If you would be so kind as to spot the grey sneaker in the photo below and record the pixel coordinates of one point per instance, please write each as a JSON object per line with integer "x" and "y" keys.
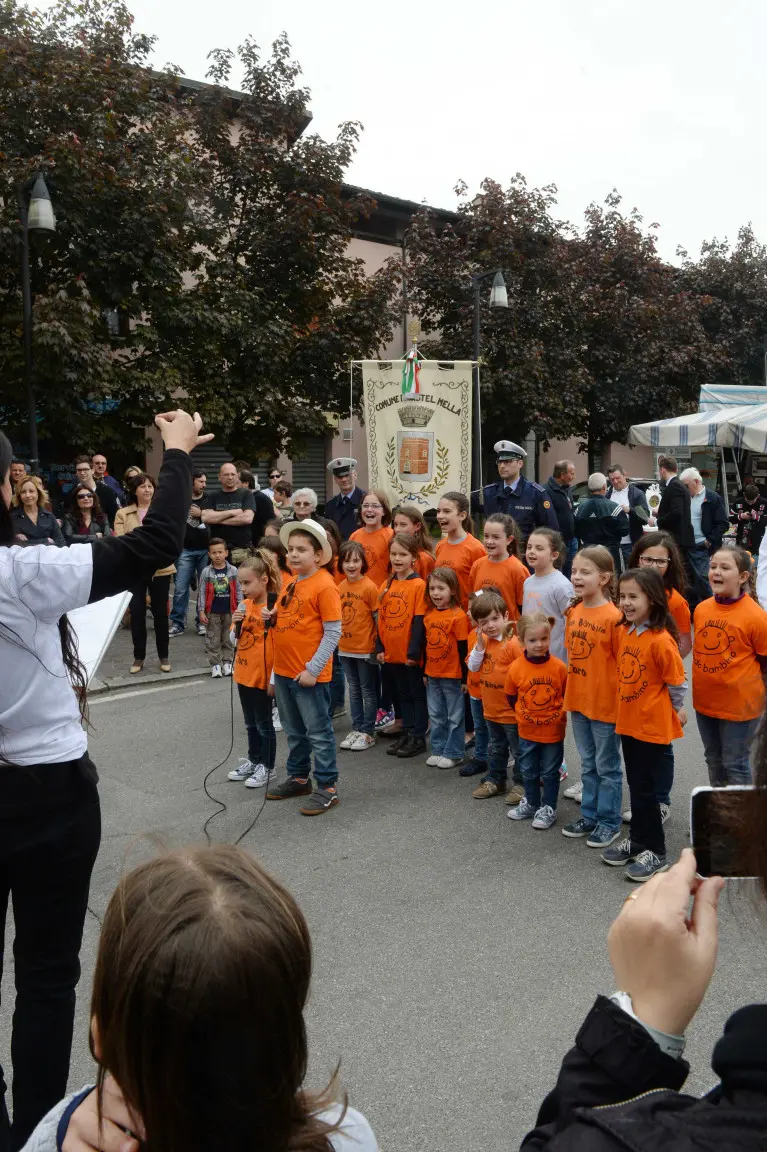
{"x": 260, "y": 777}
{"x": 523, "y": 811}
{"x": 544, "y": 817}
{"x": 578, "y": 828}
{"x": 320, "y": 801}
{"x": 288, "y": 788}
{"x": 665, "y": 812}
{"x": 619, "y": 854}
{"x": 243, "y": 770}
{"x": 446, "y": 762}
{"x": 645, "y": 866}
{"x": 603, "y": 837}
{"x": 175, "y": 630}
{"x": 574, "y": 792}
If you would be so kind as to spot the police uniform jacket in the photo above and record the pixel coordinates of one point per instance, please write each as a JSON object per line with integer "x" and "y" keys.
{"x": 530, "y": 504}
{"x": 344, "y": 511}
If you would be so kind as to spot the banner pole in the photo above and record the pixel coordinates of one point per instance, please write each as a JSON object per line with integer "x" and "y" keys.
{"x": 351, "y": 407}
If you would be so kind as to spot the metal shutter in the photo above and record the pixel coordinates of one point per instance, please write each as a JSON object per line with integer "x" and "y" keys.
{"x": 309, "y": 468}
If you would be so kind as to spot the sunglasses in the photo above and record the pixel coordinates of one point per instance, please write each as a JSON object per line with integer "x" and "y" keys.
{"x": 275, "y": 475}
{"x": 290, "y": 592}
{"x": 84, "y": 496}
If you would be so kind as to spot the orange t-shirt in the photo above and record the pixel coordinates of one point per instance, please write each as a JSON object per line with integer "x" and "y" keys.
{"x": 540, "y": 692}
{"x": 359, "y": 600}
{"x": 338, "y": 573}
{"x": 424, "y": 565}
{"x": 499, "y": 654}
{"x": 443, "y": 631}
{"x": 397, "y": 608}
{"x": 726, "y": 675}
{"x": 298, "y": 628}
{"x": 472, "y": 678}
{"x": 592, "y": 639}
{"x": 508, "y": 577}
{"x": 254, "y": 657}
{"x": 680, "y": 610}
{"x": 647, "y": 664}
{"x": 460, "y": 558}
{"x": 287, "y": 578}
{"x": 376, "y": 545}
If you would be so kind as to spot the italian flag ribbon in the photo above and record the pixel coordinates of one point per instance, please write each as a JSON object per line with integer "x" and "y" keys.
{"x": 411, "y": 384}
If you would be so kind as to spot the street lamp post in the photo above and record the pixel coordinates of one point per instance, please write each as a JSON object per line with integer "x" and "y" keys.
{"x": 498, "y": 299}
{"x": 36, "y": 216}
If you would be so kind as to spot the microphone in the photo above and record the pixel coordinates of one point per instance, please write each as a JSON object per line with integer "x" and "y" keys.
{"x": 238, "y": 625}
{"x": 271, "y": 600}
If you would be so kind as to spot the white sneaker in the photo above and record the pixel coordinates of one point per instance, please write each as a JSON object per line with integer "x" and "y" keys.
{"x": 544, "y": 817}
{"x": 363, "y": 742}
{"x": 259, "y": 778}
{"x": 626, "y": 817}
{"x": 446, "y": 762}
{"x": 433, "y": 761}
{"x": 276, "y": 720}
{"x": 574, "y": 792}
{"x": 242, "y": 771}
{"x": 348, "y": 740}
{"x": 665, "y": 812}
{"x": 227, "y": 668}
{"x": 216, "y": 671}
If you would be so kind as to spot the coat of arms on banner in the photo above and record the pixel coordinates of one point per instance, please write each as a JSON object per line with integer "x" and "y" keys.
{"x": 418, "y": 418}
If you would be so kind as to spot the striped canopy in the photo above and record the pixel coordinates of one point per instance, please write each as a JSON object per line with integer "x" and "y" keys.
{"x": 717, "y": 427}
{"x": 750, "y": 431}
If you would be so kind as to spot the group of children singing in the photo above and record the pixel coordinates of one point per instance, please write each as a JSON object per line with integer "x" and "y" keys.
{"x": 468, "y": 639}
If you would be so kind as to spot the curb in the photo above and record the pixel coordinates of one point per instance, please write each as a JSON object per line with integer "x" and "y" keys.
{"x": 116, "y": 683}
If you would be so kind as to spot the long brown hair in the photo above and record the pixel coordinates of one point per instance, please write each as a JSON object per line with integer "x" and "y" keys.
{"x": 274, "y": 545}
{"x": 201, "y": 978}
{"x": 446, "y": 576}
{"x": 511, "y": 528}
{"x": 410, "y": 544}
{"x": 651, "y": 583}
{"x": 420, "y": 527}
{"x": 674, "y": 579}
{"x": 462, "y": 504}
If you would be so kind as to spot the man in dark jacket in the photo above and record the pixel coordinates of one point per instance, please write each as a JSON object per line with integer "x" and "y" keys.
{"x": 525, "y": 500}
{"x": 343, "y": 509}
{"x": 558, "y": 487}
{"x": 709, "y": 523}
{"x": 599, "y": 521}
{"x": 674, "y": 508}
{"x": 632, "y": 499}
{"x": 749, "y": 512}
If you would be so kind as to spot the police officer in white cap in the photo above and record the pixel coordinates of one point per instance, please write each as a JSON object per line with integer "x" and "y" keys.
{"x": 343, "y": 509}
{"x": 526, "y": 501}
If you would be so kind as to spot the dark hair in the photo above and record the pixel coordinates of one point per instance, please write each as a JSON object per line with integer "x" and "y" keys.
{"x": 352, "y": 548}
{"x": 216, "y": 540}
{"x": 247, "y": 477}
{"x": 616, "y": 468}
{"x": 97, "y": 512}
{"x": 674, "y": 577}
{"x": 84, "y": 458}
{"x": 486, "y": 601}
{"x": 285, "y": 487}
{"x": 198, "y": 472}
{"x": 668, "y": 462}
{"x": 751, "y": 491}
{"x": 416, "y": 518}
{"x": 410, "y": 544}
{"x": 202, "y": 976}
{"x": 510, "y": 527}
{"x": 652, "y": 585}
{"x": 462, "y": 504}
{"x": 274, "y": 544}
{"x": 239, "y": 465}
{"x": 556, "y": 543}
{"x": 136, "y": 481}
{"x": 333, "y": 532}
{"x": 383, "y": 500}
{"x": 316, "y": 545}
{"x": 743, "y": 562}
{"x": 446, "y": 576}
{"x": 561, "y": 468}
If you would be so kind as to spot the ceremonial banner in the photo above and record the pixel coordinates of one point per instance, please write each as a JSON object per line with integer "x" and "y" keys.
{"x": 418, "y": 426}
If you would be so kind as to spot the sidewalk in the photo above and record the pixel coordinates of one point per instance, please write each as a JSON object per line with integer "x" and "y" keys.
{"x": 187, "y": 659}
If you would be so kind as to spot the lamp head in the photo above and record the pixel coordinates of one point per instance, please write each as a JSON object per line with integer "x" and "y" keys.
{"x": 40, "y": 217}
{"x": 499, "y": 297}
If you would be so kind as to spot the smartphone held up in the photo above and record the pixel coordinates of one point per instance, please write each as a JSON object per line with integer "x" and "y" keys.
{"x": 719, "y": 818}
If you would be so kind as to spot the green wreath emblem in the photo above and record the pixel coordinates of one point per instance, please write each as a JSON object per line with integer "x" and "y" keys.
{"x": 440, "y": 475}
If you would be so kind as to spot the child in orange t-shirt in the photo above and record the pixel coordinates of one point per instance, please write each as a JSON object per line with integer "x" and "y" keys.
{"x": 259, "y": 579}
{"x": 307, "y": 628}
{"x": 478, "y": 763}
{"x": 592, "y": 636}
{"x": 401, "y": 608}
{"x": 458, "y": 549}
{"x": 375, "y": 534}
{"x": 359, "y": 613}
{"x": 408, "y": 520}
{"x": 501, "y": 568}
{"x": 659, "y": 550}
{"x": 727, "y": 664}
{"x": 495, "y": 649}
{"x": 535, "y": 686}
{"x": 447, "y": 628}
{"x": 651, "y": 688}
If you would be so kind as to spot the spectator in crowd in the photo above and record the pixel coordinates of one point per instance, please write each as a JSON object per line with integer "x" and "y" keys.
{"x": 304, "y": 503}
{"x": 559, "y": 488}
{"x": 107, "y": 497}
{"x": 528, "y": 503}
{"x": 749, "y": 479}
{"x": 128, "y": 475}
{"x": 344, "y": 508}
{"x": 600, "y": 521}
{"x": 674, "y": 509}
{"x": 283, "y": 500}
{"x": 275, "y": 476}
{"x": 101, "y": 474}
{"x": 158, "y": 588}
{"x": 229, "y": 513}
{"x": 264, "y": 510}
{"x": 31, "y": 519}
{"x": 633, "y": 501}
{"x": 709, "y": 524}
{"x": 86, "y": 520}
{"x": 17, "y": 471}
{"x": 749, "y": 513}
{"x": 193, "y": 558}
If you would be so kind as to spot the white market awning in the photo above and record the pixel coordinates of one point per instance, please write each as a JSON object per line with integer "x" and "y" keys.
{"x": 711, "y": 428}
{"x": 750, "y": 431}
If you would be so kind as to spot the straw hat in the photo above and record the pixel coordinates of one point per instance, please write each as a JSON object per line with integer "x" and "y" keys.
{"x": 312, "y": 528}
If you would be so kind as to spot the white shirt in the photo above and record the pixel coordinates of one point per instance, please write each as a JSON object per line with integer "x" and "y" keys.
{"x": 39, "y": 717}
{"x": 696, "y": 515}
{"x": 622, "y": 498}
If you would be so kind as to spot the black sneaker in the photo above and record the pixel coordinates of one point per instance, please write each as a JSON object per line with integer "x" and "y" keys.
{"x": 413, "y": 746}
{"x": 320, "y": 801}
{"x": 289, "y": 788}
{"x": 395, "y": 745}
{"x": 619, "y": 854}
{"x": 473, "y": 768}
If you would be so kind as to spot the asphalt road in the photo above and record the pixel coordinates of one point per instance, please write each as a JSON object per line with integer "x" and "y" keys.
{"x": 456, "y": 952}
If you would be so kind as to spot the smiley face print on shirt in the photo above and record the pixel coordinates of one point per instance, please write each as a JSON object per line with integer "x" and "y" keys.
{"x": 714, "y": 647}
{"x": 631, "y": 682}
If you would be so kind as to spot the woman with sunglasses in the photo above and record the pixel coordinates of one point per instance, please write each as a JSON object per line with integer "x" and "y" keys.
{"x": 86, "y": 520}
{"x": 274, "y": 478}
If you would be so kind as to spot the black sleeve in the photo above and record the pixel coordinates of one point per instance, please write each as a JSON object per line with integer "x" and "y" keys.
{"x": 614, "y": 1059}
{"x": 120, "y": 562}
{"x": 264, "y": 513}
{"x": 108, "y": 500}
{"x": 463, "y": 652}
{"x": 56, "y": 534}
{"x": 417, "y": 640}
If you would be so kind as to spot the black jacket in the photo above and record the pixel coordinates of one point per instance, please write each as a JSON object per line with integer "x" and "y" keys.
{"x": 749, "y": 532}
{"x": 637, "y": 499}
{"x": 674, "y": 513}
{"x": 71, "y": 526}
{"x": 618, "y": 1092}
{"x": 714, "y": 521}
{"x": 45, "y": 529}
{"x": 562, "y": 503}
{"x": 344, "y": 511}
{"x": 599, "y": 521}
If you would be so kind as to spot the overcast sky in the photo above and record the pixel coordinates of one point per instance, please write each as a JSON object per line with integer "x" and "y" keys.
{"x": 662, "y": 99}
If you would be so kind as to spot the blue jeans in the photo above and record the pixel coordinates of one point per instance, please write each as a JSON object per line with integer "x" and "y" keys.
{"x": 480, "y": 729}
{"x": 697, "y": 561}
{"x": 502, "y": 739}
{"x": 305, "y": 718}
{"x": 257, "y": 713}
{"x": 726, "y": 747}
{"x": 572, "y": 548}
{"x": 540, "y": 764}
{"x": 362, "y": 678}
{"x": 601, "y": 772}
{"x": 189, "y": 564}
{"x": 444, "y": 699}
{"x": 337, "y": 684}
